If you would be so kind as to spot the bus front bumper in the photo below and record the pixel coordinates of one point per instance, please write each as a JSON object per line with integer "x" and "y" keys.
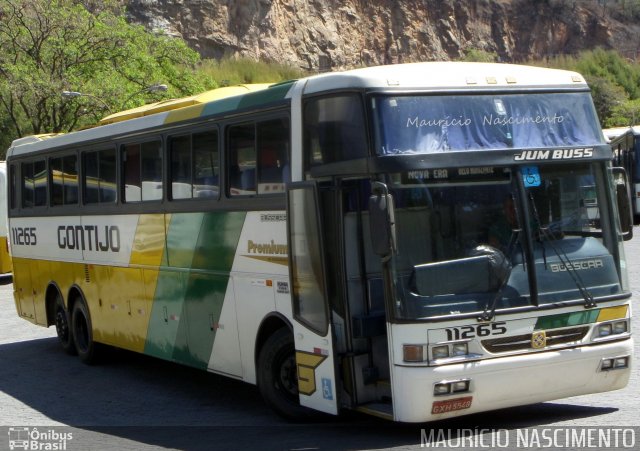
{"x": 511, "y": 381}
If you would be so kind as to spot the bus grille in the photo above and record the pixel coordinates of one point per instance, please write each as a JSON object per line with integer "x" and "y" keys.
{"x": 523, "y": 342}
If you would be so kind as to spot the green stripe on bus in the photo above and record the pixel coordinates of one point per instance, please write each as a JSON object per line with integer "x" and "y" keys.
{"x": 191, "y": 288}
{"x": 566, "y": 319}
{"x": 250, "y": 100}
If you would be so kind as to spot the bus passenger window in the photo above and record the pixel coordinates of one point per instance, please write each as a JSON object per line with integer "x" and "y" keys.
{"x": 142, "y": 169}
{"x": 205, "y": 159}
{"x": 13, "y": 187}
{"x": 63, "y": 177}
{"x": 194, "y": 165}
{"x": 99, "y": 181}
{"x": 273, "y": 156}
{"x": 180, "y": 154}
{"x": 34, "y": 184}
{"x": 334, "y": 129}
{"x": 242, "y": 160}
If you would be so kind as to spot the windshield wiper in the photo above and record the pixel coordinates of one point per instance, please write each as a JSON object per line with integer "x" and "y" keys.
{"x": 490, "y": 310}
{"x": 545, "y": 235}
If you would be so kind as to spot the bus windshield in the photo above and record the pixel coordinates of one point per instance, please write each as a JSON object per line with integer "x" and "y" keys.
{"x": 465, "y": 239}
{"x": 433, "y": 123}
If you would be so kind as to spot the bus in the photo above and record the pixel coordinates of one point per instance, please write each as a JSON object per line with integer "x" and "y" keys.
{"x": 5, "y": 259}
{"x": 410, "y": 241}
{"x": 625, "y": 143}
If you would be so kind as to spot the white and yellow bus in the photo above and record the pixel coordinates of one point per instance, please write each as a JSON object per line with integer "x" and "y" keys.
{"x": 410, "y": 241}
{"x": 5, "y": 258}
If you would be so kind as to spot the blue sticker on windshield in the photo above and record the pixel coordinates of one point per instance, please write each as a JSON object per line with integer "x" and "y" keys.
{"x": 531, "y": 176}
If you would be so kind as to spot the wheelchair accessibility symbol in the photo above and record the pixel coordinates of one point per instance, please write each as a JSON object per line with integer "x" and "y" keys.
{"x": 531, "y": 176}
{"x": 327, "y": 392}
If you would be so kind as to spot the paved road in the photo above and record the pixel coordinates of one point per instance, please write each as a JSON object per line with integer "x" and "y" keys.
{"x": 138, "y": 403}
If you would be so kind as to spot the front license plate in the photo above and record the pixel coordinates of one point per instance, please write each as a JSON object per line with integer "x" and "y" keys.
{"x": 451, "y": 404}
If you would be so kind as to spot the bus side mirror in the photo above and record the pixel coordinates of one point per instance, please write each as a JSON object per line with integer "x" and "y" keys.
{"x": 382, "y": 220}
{"x": 623, "y": 199}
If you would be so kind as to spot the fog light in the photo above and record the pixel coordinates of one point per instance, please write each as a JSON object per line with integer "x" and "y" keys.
{"x": 440, "y": 352}
{"x": 460, "y": 386}
{"x": 604, "y": 330}
{"x": 621, "y": 362}
{"x": 606, "y": 364}
{"x": 460, "y": 349}
{"x": 619, "y": 327}
{"x": 413, "y": 353}
{"x": 441, "y": 389}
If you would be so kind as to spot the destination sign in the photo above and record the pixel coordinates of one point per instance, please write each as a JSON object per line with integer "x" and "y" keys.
{"x": 481, "y": 174}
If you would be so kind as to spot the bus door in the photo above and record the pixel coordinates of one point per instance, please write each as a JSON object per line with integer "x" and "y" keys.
{"x": 312, "y": 328}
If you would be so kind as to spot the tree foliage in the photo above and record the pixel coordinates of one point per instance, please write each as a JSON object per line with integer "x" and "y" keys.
{"x": 614, "y": 82}
{"x": 49, "y": 46}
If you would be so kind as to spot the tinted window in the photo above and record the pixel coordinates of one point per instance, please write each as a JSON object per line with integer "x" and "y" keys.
{"x": 334, "y": 129}
{"x": 34, "y": 184}
{"x": 100, "y": 177}
{"x": 259, "y": 157}
{"x": 242, "y": 160}
{"x": 63, "y": 177}
{"x": 273, "y": 156}
{"x": 142, "y": 171}
{"x": 194, "y": 165}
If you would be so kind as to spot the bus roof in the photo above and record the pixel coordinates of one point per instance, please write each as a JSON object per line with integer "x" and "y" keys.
{"x": 615, "y": 132}
{"x": 424, "y": 76}
{"x": 446, "y": 75}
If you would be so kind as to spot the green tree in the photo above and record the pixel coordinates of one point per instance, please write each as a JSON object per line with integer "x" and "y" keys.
{"x": 614, "y": 81}
{"x": 623, "y": 114}
{"x": 49, "y": 46}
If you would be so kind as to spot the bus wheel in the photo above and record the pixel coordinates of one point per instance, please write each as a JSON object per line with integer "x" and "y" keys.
{"x": 65, "y": 337}
{"x": 82, "y": 332}
{"x": 278, "y": 377}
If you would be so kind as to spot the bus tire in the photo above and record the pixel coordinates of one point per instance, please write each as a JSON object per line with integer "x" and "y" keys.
{"x": 63, "y": 327}
{"x": 83, "y": 333}
{"x": 278, "y": 377}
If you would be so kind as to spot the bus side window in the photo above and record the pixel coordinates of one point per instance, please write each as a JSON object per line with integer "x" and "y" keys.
{"x": 273, "y": 156}
{"x": 180, "y": 160}
{"x": 142, "y": 171}
{"x": 99, "y": 182}
{"x": 242, "y": 160}
{"x": 34, "y": 184}
{"x": 194, "y": 165}
{"x": 13, "y": 187}
{"x": 206, "y": 171}
{"x": 334, "y": 129}
{"x": 63, "y": 179}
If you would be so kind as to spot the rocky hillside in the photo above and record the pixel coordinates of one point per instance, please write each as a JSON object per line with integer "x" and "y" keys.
{"x": 319, "y": 35}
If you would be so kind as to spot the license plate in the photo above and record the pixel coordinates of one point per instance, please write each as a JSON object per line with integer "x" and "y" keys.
{"x": 451, "y": 404}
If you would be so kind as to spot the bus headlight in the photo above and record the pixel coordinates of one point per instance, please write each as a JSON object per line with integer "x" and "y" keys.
{"x": 620, "y": 327}
{"x": 440, "y": 352}
{"x": 460, "y": 386}
{"x": 441, "y": 389}
{"x": 612, "y": 328}
{"x": 451, "y": 387}
{"x": 460, "y": 349}
{"x": 614, "y": 363}
{"x": 604, "y": 330}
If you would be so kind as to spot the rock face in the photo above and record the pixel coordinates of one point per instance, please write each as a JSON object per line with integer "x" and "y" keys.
{"x": 320, "y": 35}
